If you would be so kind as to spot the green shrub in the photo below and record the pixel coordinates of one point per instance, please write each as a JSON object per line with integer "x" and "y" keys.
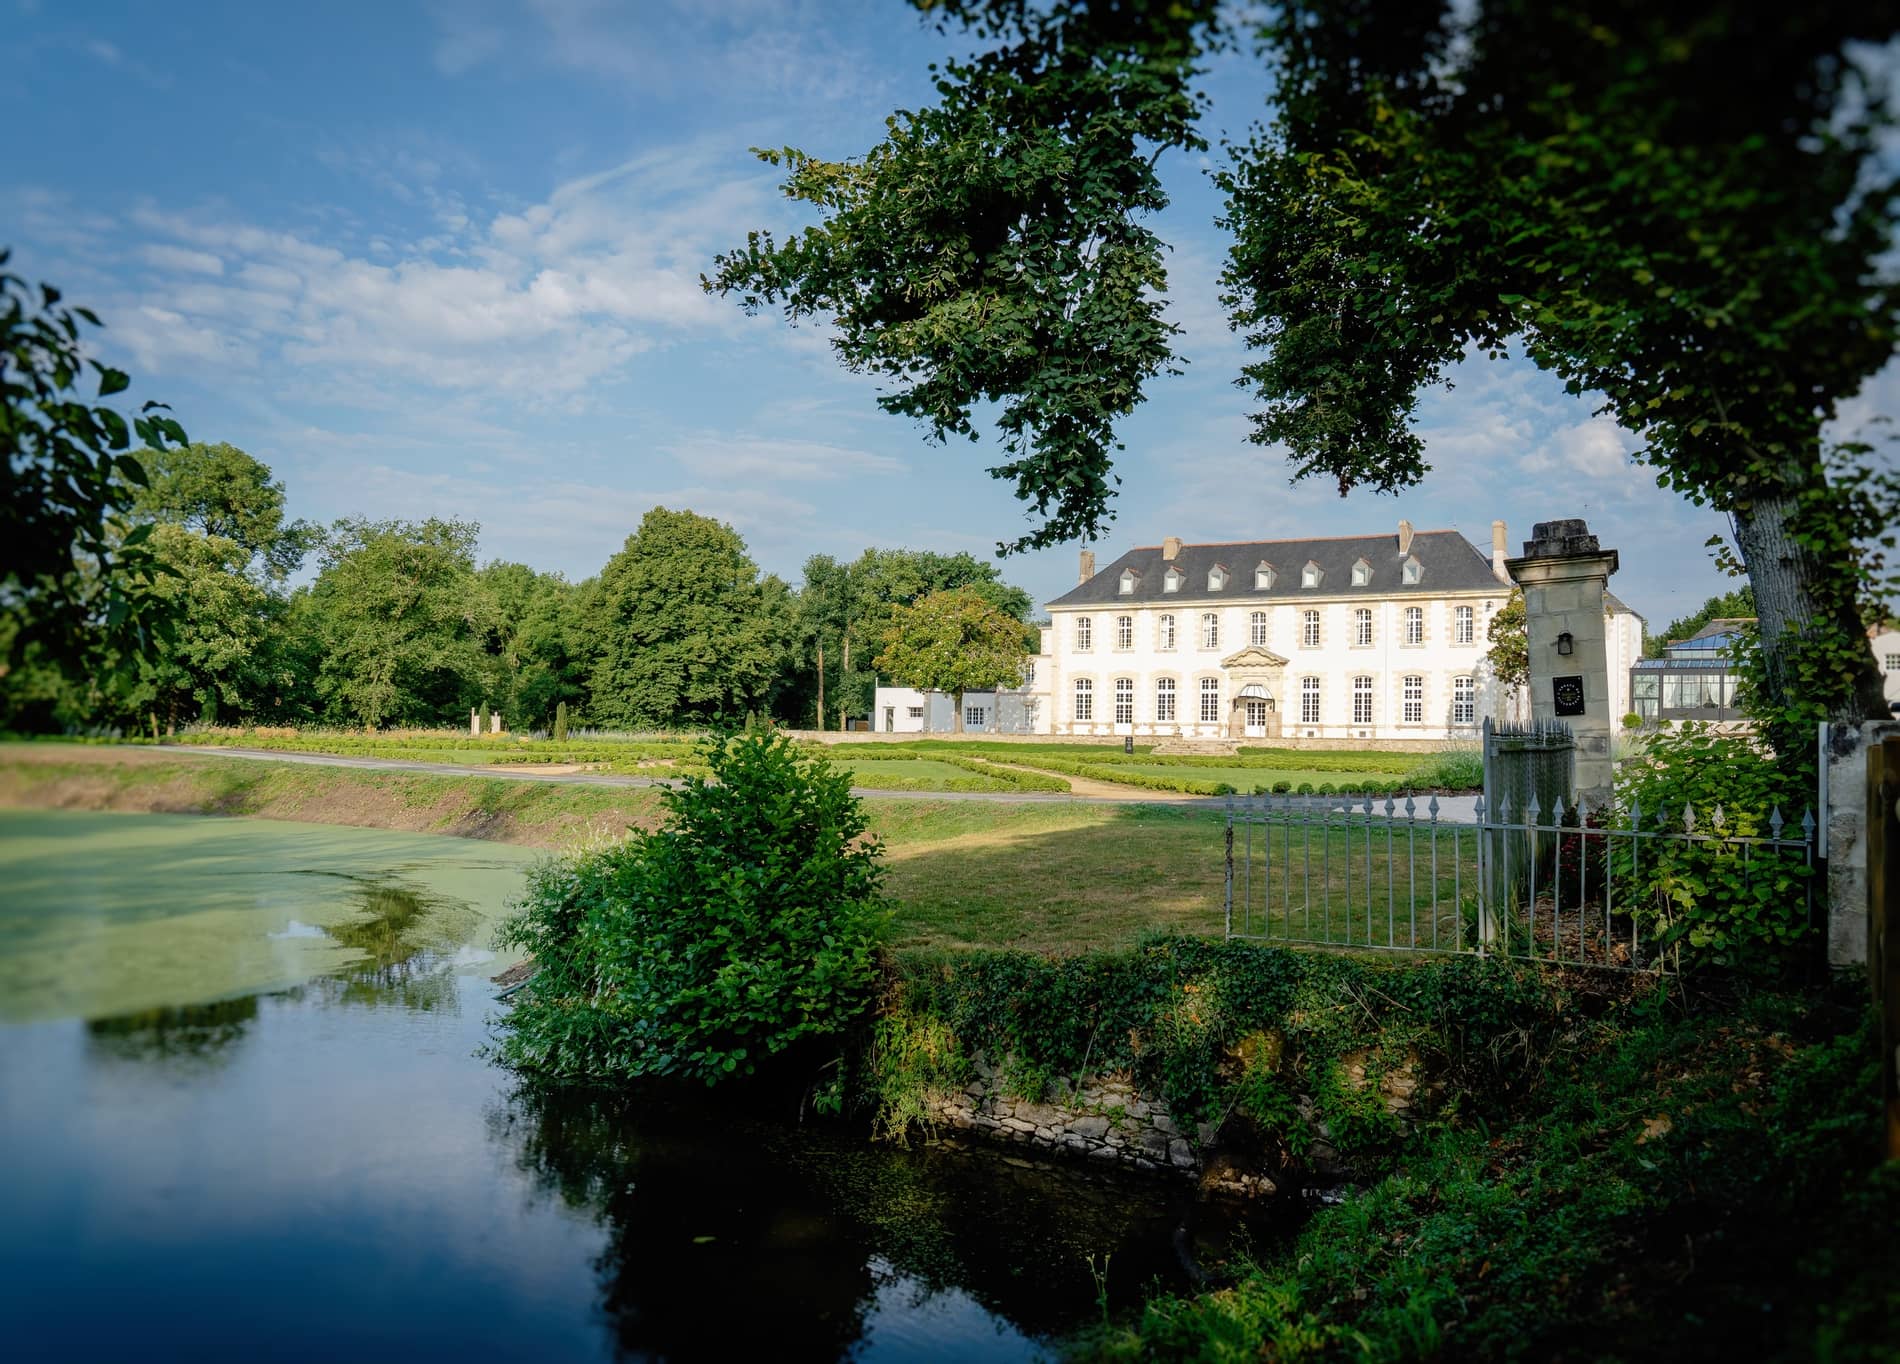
{"x": 560, "y": 722}
{"x": 1305, "y": 788}
{"x": 1457, "y": 768}
{"x": 1280, "y": 788}
{"x": 1721, "y": 903}
{"x": 748, "y": 922}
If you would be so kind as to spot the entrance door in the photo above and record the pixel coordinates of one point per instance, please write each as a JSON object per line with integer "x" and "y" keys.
{"x": 890, "y": 719}
{"x": 1256, "y": 718}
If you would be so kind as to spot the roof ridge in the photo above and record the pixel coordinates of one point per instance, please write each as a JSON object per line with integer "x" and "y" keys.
{"x": 1302, "y": 539}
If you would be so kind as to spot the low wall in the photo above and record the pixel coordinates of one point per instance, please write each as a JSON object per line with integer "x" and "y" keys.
{"x": 1109, "y": 1120}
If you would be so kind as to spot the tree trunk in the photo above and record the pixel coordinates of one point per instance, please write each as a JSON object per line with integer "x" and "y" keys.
{"x": 1800, "y": 597}
{"x": 956, "y": 702}
{"x": 843, "y": 672}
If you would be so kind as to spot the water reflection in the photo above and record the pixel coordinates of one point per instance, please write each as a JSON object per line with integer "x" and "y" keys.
{"x": 198, "y": 1032}
{"x": 729, "y": 1236}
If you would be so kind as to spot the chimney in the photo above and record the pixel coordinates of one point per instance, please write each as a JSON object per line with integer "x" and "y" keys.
{"x": 1087, "y": 569}
{"x": 1170, "y": 549}
{"x": 1498, "y": 552}
{"x": 1405, "y": 537}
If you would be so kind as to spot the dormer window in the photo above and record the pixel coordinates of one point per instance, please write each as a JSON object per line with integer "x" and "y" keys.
{"x": 1412, "y": 572}
{"x": 1172, "y": 581}
{"x": 1361, "y": 573}
{"x": 1263, "y": 576}
{"x": 1310, "y": 575}
{"x": 1217, "y": 578}
{"x": 1129, "y": 579}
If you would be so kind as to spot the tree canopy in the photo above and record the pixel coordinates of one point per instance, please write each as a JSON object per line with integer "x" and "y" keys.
{"x": 76, "y": 574}
{"x": 953, "y": 641}
{"x": 219, "y": 490}
{"x": 1578, "y": 178}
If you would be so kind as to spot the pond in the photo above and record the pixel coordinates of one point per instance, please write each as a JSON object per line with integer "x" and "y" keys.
{"x": 243, "y": 1113}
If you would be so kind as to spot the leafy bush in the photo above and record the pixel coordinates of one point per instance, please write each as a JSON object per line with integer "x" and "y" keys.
{"x": 1722, "y": 903}
{"x": 560, "y": 722}
{"x": 748, "y": 922}
{"x": 1457, "y": 768}
{"x": 1281, "y": 787}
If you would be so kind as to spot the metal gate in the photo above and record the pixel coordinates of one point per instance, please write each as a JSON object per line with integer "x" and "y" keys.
{"x": 1544, "y": 884}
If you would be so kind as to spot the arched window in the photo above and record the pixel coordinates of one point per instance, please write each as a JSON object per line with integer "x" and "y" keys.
{"x": 1257, "y": 629}
{"x": 1467, "y": 625}
{"x": 1210, "y": 700}
{"x": 1210, "y": 630}
{"x": 1124, "y": 632}
{"x": 1414, "y": 699}
{"x": 1084, "y": 634}
{"x": 1464, "y": 701}
{"x": 1164, "y": 700}
{"x": 1414, "y": 625}
{"x": 1084, "y": 699}
{"x": 1362, "y": 700}
{"x": 1124, "y": 700}
{"x": 1309, "y": 629}
{"x": 1164, "y": 631}
{"x": 1362, "y": 626}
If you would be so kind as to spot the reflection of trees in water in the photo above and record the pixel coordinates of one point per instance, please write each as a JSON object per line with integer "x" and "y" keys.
{"x": 712, "y": 1251}
{"x": 406, "y": 937}
{"x": 800, "y": 1215}
{"x": 206, "y": 1032}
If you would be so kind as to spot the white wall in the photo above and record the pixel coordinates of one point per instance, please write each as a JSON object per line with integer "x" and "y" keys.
{"x": 1887, "y": 655}
{"x": 1336, "y": 661}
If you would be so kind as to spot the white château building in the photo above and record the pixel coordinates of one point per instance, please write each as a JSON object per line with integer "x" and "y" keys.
{"x": 1363, "y": 637}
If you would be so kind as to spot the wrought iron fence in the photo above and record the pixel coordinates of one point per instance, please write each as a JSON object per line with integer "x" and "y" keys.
{"x": 1544, "y": 885}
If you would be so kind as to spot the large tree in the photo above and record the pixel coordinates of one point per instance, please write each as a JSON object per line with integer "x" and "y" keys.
{"x": 219, "y": 490}
{"x": 953, "y": 641}
{"x": 400, "y": 622}
{"x": 1677, "y": 206}
{"x": 688, "y": 630}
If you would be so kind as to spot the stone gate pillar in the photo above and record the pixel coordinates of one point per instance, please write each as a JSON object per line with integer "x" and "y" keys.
{"x": 1564, "y": 575}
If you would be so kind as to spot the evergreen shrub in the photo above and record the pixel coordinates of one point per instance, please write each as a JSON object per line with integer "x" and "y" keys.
{"x": 748, "y": 922}
{"x": 560, "y": 722}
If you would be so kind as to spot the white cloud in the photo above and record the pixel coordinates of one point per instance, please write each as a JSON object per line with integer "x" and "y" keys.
{"x": 1597, "y": 449}
{"x": 182, "y": 259}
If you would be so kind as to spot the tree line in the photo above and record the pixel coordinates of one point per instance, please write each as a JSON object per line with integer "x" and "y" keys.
{"x": 400, "y": 626}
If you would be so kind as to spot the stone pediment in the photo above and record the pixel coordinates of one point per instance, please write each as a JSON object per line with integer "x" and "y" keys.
{"x": 1253, "y": 656}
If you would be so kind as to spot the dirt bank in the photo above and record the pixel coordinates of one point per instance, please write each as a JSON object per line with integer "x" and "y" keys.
{"x": 79, "y": 777}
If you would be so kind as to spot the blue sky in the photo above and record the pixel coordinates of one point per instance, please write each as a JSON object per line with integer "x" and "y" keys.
{"x": 442, "y": 259}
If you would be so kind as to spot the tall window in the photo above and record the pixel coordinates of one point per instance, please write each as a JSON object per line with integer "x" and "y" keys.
{"x": 1414, "y": 699}
{"x": 1467, "y": 625}
{"x": 1084, "y": 699}
{"x": 1164, "y": 700}
{"x": 1464, "y": 701}
{"x": 1084, "y": 634}
{"x": 1257, "y": 629}
{"x": 1309, "y": 700}
{"x": 1164, "y": 631}
{"x": 1362, "y": 626}
{"x": 1210, "y": 631}
{"x": 1029, "y": 675}
{"x": 1362, "y": 700}
{"x": 1124, "y": 700}
{"x": 1309, "y": 629}
{"x": 1124, "y": 632}
{"x": 1414, "y": 625}
{"x": 1210, "y": 700}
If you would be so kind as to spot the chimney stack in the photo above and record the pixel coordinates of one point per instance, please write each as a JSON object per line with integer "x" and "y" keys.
{"x": 1405, "y": 537}
{"x": 1170, "y": 549}
{"x": 1087, "y": 569}
{"x": 1498, "y": 552}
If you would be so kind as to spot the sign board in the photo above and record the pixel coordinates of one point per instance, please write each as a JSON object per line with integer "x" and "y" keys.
{"x": 1567, "y": 693}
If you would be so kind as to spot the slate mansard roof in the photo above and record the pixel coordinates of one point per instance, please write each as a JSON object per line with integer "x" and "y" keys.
{"x": 1450, "y": 563}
